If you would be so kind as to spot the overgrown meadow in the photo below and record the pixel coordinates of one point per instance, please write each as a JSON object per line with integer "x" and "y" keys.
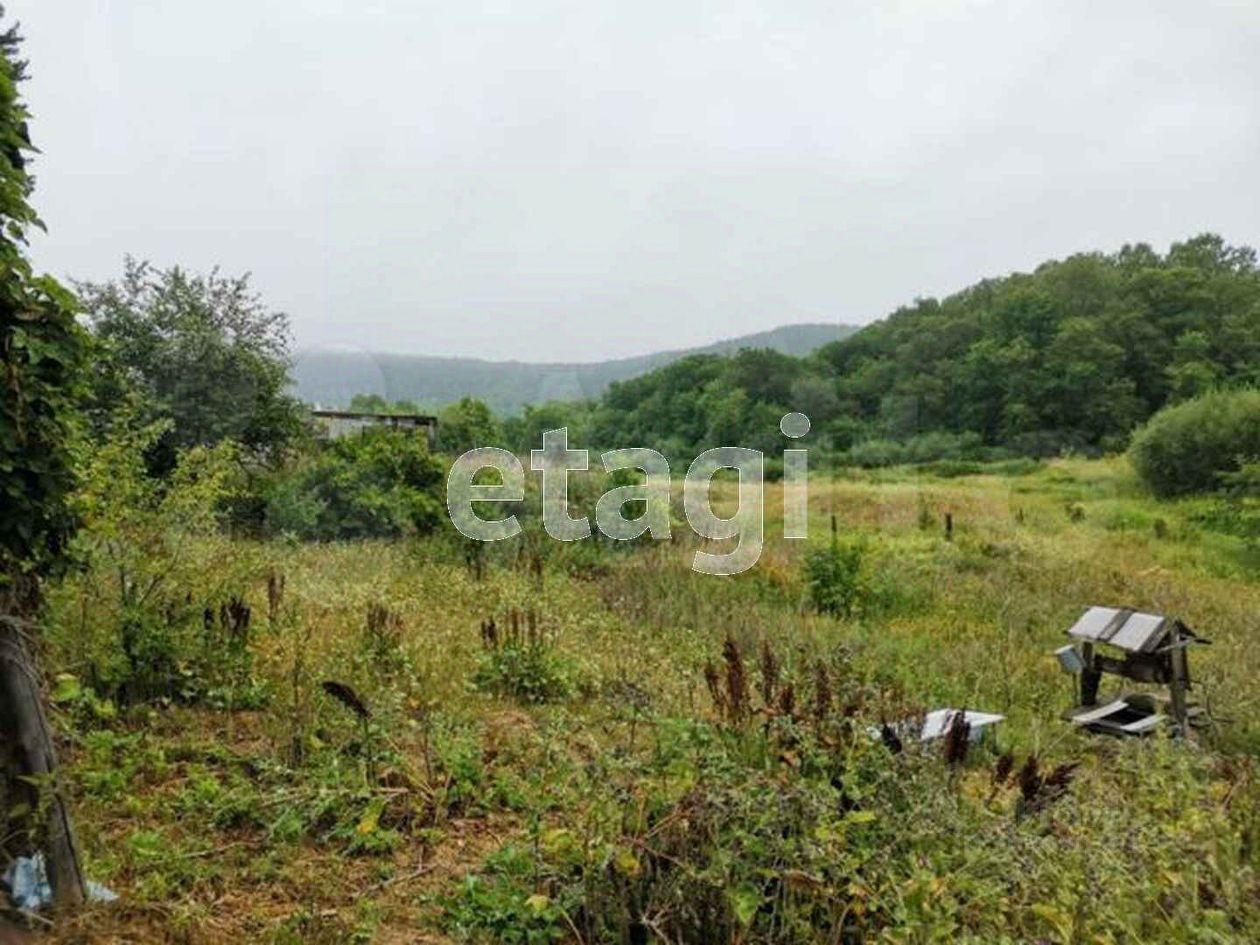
{"x": 427, "y": 740}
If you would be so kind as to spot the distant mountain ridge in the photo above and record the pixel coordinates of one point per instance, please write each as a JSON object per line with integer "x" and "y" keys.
{"x": 331, "y": 378}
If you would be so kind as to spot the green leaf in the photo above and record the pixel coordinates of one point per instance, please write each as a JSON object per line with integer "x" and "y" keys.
{"x": 745, "y": 900}
{"x": 66, "y": 688}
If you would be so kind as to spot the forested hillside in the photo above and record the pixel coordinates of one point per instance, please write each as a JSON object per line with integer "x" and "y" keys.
{"x": 1070, "y": 356}
{"x": 335, "y": 377}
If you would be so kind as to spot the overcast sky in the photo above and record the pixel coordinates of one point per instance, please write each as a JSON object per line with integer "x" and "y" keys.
{"x": 578, "y": 180}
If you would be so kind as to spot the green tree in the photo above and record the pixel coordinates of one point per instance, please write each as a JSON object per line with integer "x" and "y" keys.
{"x": 43, "y": 356}
{"x": 380, "y": 483}
{"x": 551, "y": 415}
{"x": 1086, "y": 388}
{"x": 467, "y": 424}
{"x": 201, "y": 351}
{"x": 1192, "y": 371}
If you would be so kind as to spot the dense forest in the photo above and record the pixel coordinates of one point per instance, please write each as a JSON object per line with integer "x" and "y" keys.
{"x": 1072, "y": 356}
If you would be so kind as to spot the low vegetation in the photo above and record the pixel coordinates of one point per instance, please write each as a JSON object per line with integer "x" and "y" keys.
{"x": 539, "y": 745}
{"x": 1209, "y": 443}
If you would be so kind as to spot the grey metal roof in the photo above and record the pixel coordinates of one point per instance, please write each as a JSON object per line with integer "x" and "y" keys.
{"x": 379, "y": 417}
{"x": 1129, "y": 630}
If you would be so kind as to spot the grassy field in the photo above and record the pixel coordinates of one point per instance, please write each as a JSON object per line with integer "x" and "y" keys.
{"x": 637, "y": 752}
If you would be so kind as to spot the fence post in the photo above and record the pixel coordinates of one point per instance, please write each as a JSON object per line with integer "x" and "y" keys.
{"x": 31, "y": 760}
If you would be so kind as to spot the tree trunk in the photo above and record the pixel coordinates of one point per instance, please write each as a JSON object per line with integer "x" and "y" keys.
{"x": 27, "y": 744}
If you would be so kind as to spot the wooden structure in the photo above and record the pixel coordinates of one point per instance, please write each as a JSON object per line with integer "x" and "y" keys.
{"x": 1141, "y": 647}
{"x": 332, "y": 424}
{"x": 28, "y": 765}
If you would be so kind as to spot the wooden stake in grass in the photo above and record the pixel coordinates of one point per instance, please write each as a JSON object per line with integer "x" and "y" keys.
{"x": 28, "y": 751}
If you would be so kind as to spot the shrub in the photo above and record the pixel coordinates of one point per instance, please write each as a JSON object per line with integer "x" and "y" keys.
{"x": 528, "y": 673}
{"x": 155, "y": 608}
{"x": 1246, "y": 481}
{"x": 500, "y": 908}
{"x": 953, "y": 468}
{"x": 924, "y": 448}
{"x": 1197, "y": 445}
{"x": 835, "y": 577}
{"x": 378, "y": 484}
{"x": 520, "y": 660}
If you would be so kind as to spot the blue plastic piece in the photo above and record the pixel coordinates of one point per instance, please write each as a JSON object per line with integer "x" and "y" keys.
{"x": 27, "y": 879}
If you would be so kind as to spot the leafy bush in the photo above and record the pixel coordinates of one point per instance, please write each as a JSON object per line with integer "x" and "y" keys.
{"x": 499, "y": 909}
{"x": 529, "y": 673}
{"x": 155, "y": 609}
{"x": 377, "y": 484}
{"x": 1246, "y": 481}
{"x": 520, "y": 660}
{"x": 953, "y": 468}
{"x": 835, "y": 577}
{"x": 925, "y": 448}
{"x": 1197, "y": 445}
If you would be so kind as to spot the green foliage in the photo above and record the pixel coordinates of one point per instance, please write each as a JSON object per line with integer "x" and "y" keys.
{"x": 1200, "y": 445}
{"x": 519, "y": 659}
{"x": 700, "y": 402}
{"x": 334, "y": 377}
{"x": 467, "y": 424}
{"x": 202, "y": 352}
{"x": 376, "y": 484}
{"x": 524, "y": 433}
{"x": 495, "y": 908}
{"x": 1066, "y": 358}
{"x": 149, "y": 609}
{"x": 43, "y": 356}
{"x": 650, "y": 808}
{"x": 924, "y": 448}
{"x": 835, "y": 577}
{"x": 375, "y": 403}
{"x": 533, "y": 674}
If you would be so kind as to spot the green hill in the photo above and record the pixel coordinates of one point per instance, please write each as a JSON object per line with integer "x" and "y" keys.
{"x": 331, "y": 378}
{"x": 1071, "y": 356}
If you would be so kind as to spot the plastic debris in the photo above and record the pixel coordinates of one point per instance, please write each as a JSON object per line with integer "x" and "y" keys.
{"x": 27, "y": 879}
{"x": 937, "y": 723}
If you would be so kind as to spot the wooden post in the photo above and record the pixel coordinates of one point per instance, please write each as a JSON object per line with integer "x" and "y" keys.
{"x": 1180, "y": 681}
{"x": 949, "y": 526}
{"x": 27, "y": 746}
{"x": 1091, "y": 675}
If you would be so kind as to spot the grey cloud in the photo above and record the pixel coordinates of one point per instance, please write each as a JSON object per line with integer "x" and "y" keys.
{"x": 570, "y": 180}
